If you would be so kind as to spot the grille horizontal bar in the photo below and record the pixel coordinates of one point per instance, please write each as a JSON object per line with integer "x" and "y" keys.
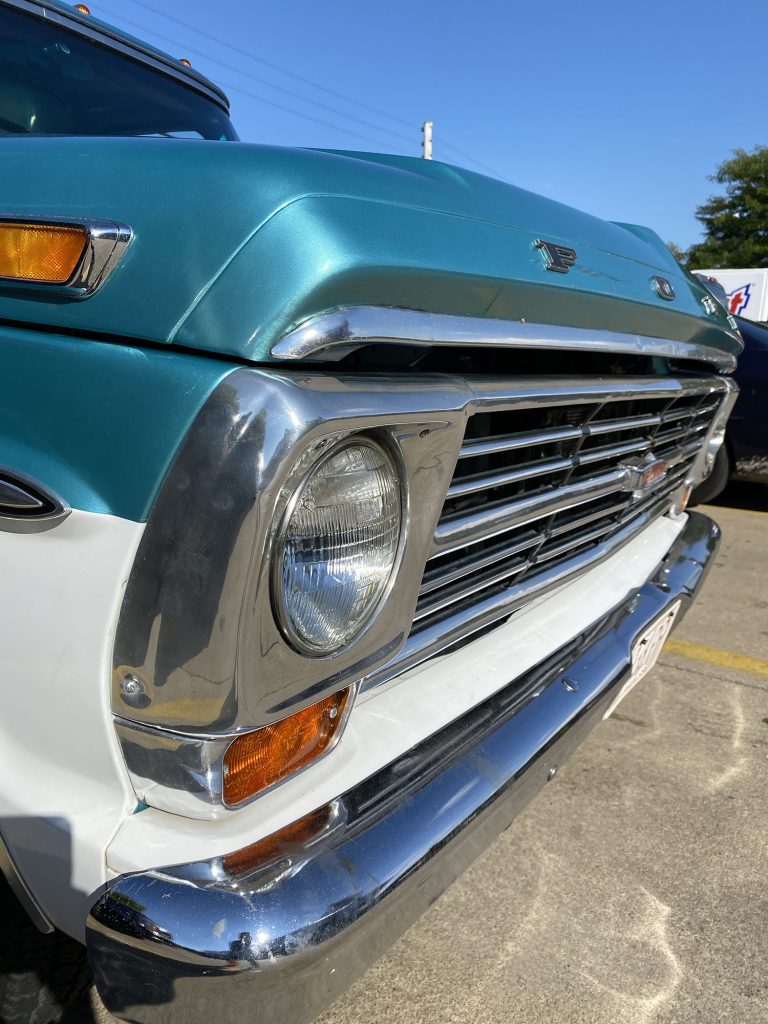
{"x": 485, "y": 483}
{"x": 494, "y": 394}
{"x": 463, "y": 530}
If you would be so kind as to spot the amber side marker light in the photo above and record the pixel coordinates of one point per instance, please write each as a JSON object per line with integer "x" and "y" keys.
{"x": 279, "y": 844}
{"x": 682, "y": 498}
{"x": 258, "y": 759}
{"x": 40, "y": 253}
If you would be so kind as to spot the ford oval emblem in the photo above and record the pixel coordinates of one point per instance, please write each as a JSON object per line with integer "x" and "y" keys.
{"x": 663, "y": 288}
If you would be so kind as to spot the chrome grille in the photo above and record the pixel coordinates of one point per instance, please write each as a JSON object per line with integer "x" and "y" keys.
{"x": 542, "y": 479}
{"x": 542, "y": 491}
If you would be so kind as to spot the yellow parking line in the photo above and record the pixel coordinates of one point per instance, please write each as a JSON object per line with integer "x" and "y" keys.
{"x": 716, "y": 656}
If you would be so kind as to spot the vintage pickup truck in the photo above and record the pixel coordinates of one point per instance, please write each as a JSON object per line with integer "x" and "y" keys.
{"x": 340, "y": 495}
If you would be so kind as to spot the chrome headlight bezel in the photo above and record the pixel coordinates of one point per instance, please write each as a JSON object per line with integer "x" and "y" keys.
{"x": 204, "y": 627}
{"x": 307, "y": 466}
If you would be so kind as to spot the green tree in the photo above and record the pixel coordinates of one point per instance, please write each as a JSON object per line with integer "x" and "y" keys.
{"x": 736, "y": 224}
{"x": 680, "y": 254}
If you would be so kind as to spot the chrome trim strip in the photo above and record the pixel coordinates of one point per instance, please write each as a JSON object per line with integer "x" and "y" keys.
{"x": 448, "y": 596}
{"x": 502, "y": 552}
{"x": 273, "y": 936}
{"x": 510, "y": 443}
{"x": 18, "y": 519}
{"x": 18, "y": 886}
{"x": 474, "y": 484}
{"x": 553, "y": 435}
{"x": 105, "y": 245}
{"x": 602, "y": 513}
{"x": 687, "y": 414}
{"x": 494, "y": 394}
{"x": 568, "y": 543}
{"x": 463, "y": 530}
{"x": 611, "y": 451}
{"x": 629, "y": 423}
{"x": 333, "y": 335}
{"x": 17, "y": 498}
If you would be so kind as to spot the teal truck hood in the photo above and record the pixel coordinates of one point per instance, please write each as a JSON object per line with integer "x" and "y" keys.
{"x": 235, "y": 244}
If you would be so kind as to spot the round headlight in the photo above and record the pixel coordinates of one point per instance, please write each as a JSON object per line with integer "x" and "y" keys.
{"x": 338, "y": 546}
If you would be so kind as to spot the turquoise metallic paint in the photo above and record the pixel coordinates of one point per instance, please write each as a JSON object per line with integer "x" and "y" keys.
{"x": 97, "y": 423}
{"x": 236, "y": 243}
{"x": 319, "y": 256}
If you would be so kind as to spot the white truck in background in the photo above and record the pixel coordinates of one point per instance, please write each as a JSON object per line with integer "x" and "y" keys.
{"x": 746, "y": 291}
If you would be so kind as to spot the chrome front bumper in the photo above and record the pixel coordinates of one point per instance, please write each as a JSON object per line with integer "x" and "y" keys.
{"x": 276, "y": 934}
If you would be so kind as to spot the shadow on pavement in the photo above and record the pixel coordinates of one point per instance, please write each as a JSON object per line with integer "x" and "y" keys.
{"x": 752, "y": 497}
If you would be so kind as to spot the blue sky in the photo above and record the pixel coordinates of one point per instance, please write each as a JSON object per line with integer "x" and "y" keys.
{"x": 619, "y": 109}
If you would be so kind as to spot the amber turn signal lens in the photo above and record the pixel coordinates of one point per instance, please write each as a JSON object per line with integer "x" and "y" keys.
{"x": 258, "y": 759}
{"x": 682, "y": 498}
{"x": 279, "y": 843}
{"x": 41, "y": 253}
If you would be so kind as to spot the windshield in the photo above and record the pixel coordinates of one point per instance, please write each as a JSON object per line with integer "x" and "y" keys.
{"x": 55, "y": 82}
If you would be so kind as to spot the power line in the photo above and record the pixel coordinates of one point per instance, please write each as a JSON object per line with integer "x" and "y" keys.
{"x": 315, "y": 85}
{"x": 298, "y": 113}
{"x": 263, "y": 81}
{"x": 476, "y": 162}
{"x": 276, "y": 67}
{"x": 303, "y": 99}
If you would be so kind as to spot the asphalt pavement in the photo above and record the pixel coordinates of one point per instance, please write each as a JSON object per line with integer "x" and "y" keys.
{"x": 633, "y": 889}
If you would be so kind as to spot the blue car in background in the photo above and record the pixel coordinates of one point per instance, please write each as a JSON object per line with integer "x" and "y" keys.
{"x": 744, "y": 456}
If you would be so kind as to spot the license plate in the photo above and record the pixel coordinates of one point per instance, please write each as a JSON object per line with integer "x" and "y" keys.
{"x": 645, "y": 652}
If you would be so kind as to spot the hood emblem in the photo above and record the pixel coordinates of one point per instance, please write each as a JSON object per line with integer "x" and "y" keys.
{"x": 663, "y": 288}
{"x": 559, "y": 258}
{"x": 642, "y": 475}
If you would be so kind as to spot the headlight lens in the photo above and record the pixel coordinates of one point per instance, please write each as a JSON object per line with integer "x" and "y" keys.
{"x": 338, "y": 546}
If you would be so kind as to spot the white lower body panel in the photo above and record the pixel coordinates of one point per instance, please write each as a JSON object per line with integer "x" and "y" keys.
{"x": 64, "y": 790}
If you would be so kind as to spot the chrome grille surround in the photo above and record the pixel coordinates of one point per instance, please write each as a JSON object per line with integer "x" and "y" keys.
{"x": 546, "y": 485}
